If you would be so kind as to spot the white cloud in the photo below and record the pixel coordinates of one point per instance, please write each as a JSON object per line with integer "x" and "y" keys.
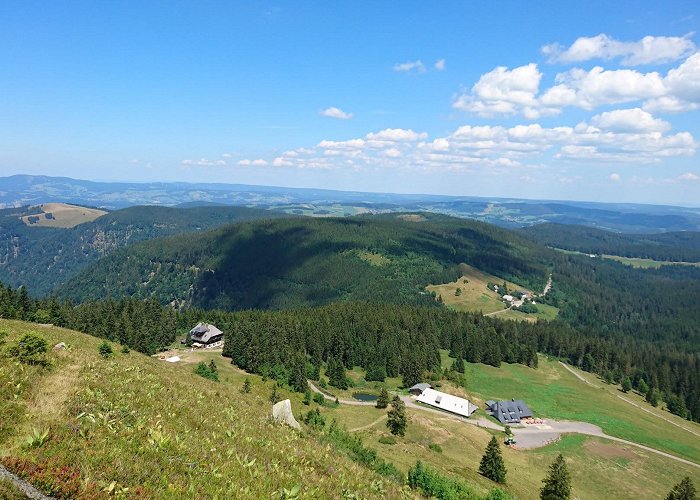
{"x": 615, "y": 177}
{"x": 648, "y": 50}
{"x": 204, "y": 163}
{"x": 396, "y": 135}
{"x": 392, "y": 153}
{"x": 509, "y": 92}
{"x": 502, "y": 91}
{"x": 410, "y": 66}
{"x": 440, "y": 65}
{"x": 630, "y": 120}
{"x": 334, "y": 112}
{"x": 255, "y": 163}
{"x": 689, "y": 176}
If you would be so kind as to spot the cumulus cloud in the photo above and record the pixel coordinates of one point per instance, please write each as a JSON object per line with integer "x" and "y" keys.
{"x": 410, "y": 66}
{"x": 648, "y": 50}
{"x": 615, "y": 177}
{"x": 622, "y": 136}
{"x": 508, "y": 92}
{"x": 502, "y": 91}
{"x": 396, "y": 134}
{"x": 334, "y": 112}
{"x": 440, "y": 65}
{"x": 630, "y": 120}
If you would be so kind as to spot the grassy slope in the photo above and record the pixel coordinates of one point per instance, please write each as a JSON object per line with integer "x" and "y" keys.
{"x": 158, "y": 426}
{"x": 476, "y": 296}
{"x": 648, "y": 263}
{"x": 64, "y": 215}
{"x": 553, "y": 392}
{"x": 599, "y": 468}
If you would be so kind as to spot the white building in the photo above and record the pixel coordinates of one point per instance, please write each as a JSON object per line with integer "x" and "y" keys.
{"x": 508, "y": 298}
{"x": 447, "y": 402}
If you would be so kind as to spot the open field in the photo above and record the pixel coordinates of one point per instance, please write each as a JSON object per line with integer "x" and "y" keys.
{"x": 62, "y": 215}
{"x": 636, "y": 262}
{"x": 551, "y": 391}
{"x": 476, "y": 296}
{"x": 599, "y": 467}
{"x": 156, "y": 428}
{"x": 648, "y": 263}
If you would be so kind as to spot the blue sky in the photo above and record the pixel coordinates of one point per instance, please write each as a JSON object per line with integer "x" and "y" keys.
{"x": 589, "y": 100}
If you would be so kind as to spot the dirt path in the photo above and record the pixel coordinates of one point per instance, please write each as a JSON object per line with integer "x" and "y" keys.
{"x": 548, "y": 286}
{"x": 668, "y": 420}
{"x": 365, "y": 427}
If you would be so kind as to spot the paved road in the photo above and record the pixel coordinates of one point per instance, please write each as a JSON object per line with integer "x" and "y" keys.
{"x": 534, "y": 436}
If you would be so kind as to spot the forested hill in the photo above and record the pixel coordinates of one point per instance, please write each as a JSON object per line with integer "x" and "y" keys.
{"x": 42, "y": 257}
{"x": 683, "y": 246}
{"x": 296, "y": 262}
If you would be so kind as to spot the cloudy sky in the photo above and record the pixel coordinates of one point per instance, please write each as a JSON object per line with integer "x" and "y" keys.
{"x": 588, "y": 100}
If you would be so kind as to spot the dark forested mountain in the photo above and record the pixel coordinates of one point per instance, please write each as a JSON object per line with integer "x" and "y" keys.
{"x": 304, "y": 262}
{"x": 43, "y": 257}
{"x": 681, "y": 246}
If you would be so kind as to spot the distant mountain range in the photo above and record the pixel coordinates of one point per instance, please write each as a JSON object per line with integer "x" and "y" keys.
{"x": 20, "y": 190}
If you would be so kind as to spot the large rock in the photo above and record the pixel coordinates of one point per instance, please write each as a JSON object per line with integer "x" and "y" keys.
{"x": 282, "y": 413}
{"x": 60, "y": 346}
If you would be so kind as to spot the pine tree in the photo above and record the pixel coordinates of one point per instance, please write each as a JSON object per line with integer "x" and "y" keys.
{"x": 652, "y": 397}
{"x": 492, "y": 465}
{"x": 557, "y": 484}
{"x": 642, "y": 387}
{"x": 383, "y": 399}
{"x": 397, "y": 420}
{"x": 410, "y": 370}
{"x": 626, "y": 384}
{"x": 685, "y": 490}
{"x": 336, "y": 373}
{"x": 458, "y": 365}
{"x": 307, "y": 397}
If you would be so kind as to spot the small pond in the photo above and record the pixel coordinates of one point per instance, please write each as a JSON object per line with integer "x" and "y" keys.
{"x": 363, "y": 396}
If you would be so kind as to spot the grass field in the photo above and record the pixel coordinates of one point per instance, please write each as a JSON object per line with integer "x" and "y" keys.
{"x": 600, "y": 468}
{"x": 648, "y": 263}
{"x": 63, "y": 215}
{"x": 157, "y": 430}
{"x": 476, "y": 296}
{"x": 553, "y": 392}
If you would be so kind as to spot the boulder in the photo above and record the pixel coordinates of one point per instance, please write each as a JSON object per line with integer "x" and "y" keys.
{"x": 282, "y": 413}
{"x": 60, "y": 346}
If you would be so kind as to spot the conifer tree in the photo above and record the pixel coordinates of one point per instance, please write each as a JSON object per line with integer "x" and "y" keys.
{"x": 397, "y": 420}
{"x": 492, "y": 465}
{"x": 557, "y": 484}
{"x": 626, "y": 384}
{"x": 458, "y": 365}
{"x": 383, "y": 399}
{"x": 274, "y": 397}
{"x": 685, "y": 490}
{"x": 336, "y": 373}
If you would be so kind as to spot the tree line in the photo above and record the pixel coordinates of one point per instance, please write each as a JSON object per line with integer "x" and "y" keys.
{"x": 386, "y": 340}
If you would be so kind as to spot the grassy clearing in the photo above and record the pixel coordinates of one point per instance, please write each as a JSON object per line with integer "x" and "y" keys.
{"x": 157, "y": 430}
{"x": 648, "y": 263}
{"x": 476, "y": 296}
{"x": 553, "y": 392}
{"x": 62, "y": 215}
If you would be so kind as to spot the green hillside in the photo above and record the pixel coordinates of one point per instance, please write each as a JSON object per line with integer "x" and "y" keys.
{"x": 133, "y": 426}
{"x": 42, "y": 257}
{"x": 303, "y": 262}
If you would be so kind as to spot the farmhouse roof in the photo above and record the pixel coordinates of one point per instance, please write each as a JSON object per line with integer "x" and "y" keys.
{"x": 512, "y": 411}
{"x": 204, "y": 332}
{"x": 447, "y": 402}
{"x": 420, "y": 387}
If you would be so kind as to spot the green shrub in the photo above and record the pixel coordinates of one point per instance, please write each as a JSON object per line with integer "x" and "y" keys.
{"x": 435, "y": 447}
{"x": 204, "y": 371}
{"x": 314, "y": 419}
{"x": 319, "y": 399}
{"x": 387, "y": 440}
{"x": 432, "y": 484}
{"x": 105, "y": 350}
{"x": 125, "y": 349}
{"x": 30, "y": 349}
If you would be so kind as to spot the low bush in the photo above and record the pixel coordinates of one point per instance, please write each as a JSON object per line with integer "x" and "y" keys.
{"x": 30, "y": 349}
{"x": 435, "y": 447}
{"x": 387, "y": 440}
{"x": 205, "y": 371}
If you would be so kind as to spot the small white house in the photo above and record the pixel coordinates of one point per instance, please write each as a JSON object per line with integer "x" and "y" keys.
{"x": 447, "y": 402}
{"x": 508, "y": 298}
